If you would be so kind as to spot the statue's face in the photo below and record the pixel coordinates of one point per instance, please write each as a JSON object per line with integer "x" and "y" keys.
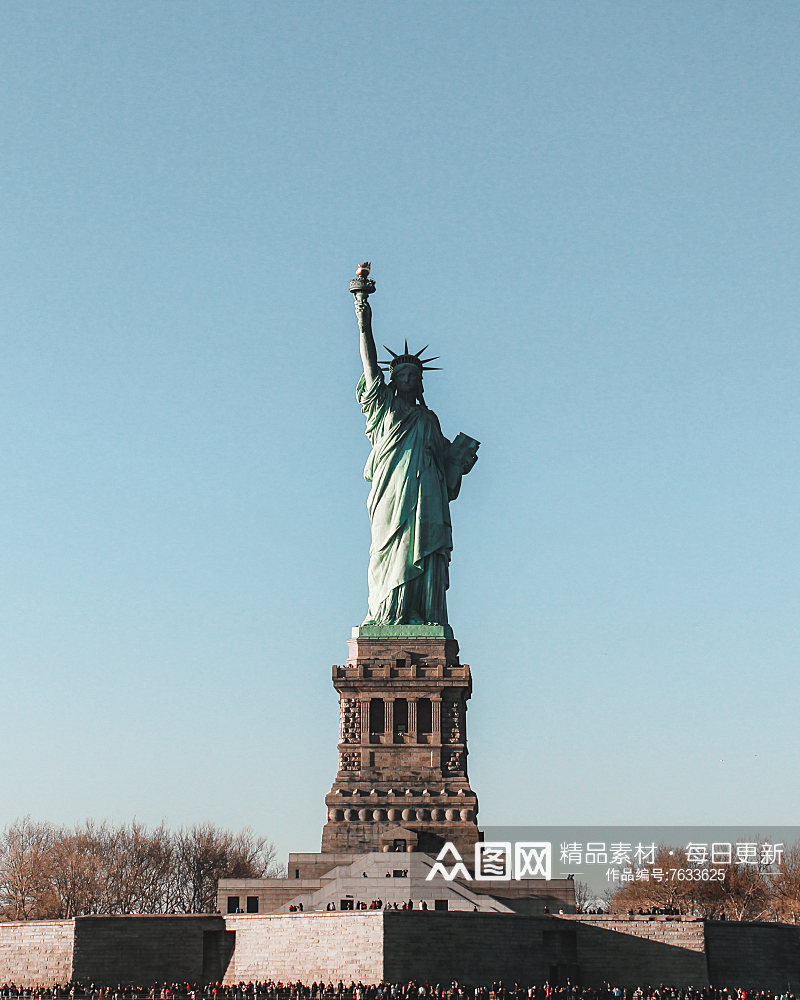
{"x": 407, "y": 378}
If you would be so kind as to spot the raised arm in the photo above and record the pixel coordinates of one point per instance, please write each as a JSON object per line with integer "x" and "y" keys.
{"x": 369, "y": 356}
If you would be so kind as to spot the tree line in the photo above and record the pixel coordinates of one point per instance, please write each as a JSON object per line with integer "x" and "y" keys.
{"x": 673, "y": 882}
{"x": 51, "y": 872}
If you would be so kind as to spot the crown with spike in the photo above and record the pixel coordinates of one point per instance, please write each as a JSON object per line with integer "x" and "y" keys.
{"x": 407, "y": 358}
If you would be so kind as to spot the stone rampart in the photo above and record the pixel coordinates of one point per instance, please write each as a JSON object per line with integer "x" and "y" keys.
{"x": 36, "y": 952}
{"x": 758, "y": 955}
{"x": 146, "y": 949}
{"x": 638, "y": 950}
{"x": 399, "y": 945}
{"x": 432, "y": 946}
{"x": 307, "y": 946}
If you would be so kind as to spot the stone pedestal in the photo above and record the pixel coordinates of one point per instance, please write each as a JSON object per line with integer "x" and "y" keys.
{"x": 402, "y": 782}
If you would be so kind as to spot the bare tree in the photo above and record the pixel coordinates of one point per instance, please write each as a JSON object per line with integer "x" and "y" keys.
{"x": 205, "y": 854}
{"x": 746, "y": 892}
{"x": 657, "y": 887}
{"x": 24, "y": 885}
{"x": 785, "y": 885}
{"x": 75, "y": 879}
{"x": 54, "y": 872}
{"x": 584, "y": 895}
{"x": 143, "y": 873}
{"x": 731, "y": 890}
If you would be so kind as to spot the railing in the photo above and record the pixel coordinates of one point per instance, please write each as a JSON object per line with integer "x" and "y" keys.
{"x": 395, "y": 991}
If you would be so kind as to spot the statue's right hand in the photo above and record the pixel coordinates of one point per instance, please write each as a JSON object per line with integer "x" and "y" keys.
{"x": 363, "y": 308}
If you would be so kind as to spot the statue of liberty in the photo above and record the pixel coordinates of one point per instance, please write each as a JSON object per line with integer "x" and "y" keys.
{"x": 415, "y": 472}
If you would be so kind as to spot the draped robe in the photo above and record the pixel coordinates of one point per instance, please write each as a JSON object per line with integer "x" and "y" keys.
{"x": 408, "y": 508}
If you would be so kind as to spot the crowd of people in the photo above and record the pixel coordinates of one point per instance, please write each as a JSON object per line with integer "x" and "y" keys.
{"x": 375, "y": 904}
{"x": 383, "y": 991}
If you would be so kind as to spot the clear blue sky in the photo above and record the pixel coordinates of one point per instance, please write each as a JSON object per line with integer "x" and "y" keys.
{"x": 589, "y": 210}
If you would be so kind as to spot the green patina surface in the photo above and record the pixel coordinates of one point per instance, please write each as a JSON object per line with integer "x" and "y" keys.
{"x": 415, "y": 472}
{"x": 402, "y": 632}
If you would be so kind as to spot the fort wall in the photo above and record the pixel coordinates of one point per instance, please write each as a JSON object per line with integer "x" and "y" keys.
{"x": 36, "y": 952}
